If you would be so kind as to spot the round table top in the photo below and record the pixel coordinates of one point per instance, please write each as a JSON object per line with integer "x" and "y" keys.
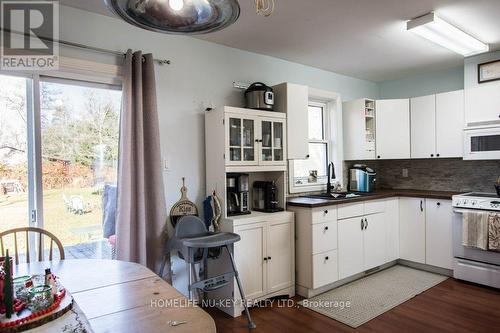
{"x": 118, "y": 296}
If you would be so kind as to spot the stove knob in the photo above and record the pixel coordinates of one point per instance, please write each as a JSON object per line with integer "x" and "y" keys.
{"x": 473, "y": 202}
{"x": 466, "y": 201}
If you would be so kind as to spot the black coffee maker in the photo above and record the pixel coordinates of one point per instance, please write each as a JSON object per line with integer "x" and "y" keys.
{"x": 237, "y": 194}
{"x": 265, "y": 197}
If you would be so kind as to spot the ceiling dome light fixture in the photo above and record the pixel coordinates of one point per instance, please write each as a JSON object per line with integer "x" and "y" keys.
{"x": 186, "y": 17}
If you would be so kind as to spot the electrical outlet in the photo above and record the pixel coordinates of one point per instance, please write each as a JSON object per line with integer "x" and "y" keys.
{"x": 405, "y": 173}
{"x": 165, "y": 165}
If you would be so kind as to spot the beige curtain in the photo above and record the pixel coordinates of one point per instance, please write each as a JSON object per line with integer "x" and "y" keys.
{"x": 141, "y": 207}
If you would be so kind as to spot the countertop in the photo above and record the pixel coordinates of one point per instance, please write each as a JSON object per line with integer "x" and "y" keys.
{"x": 380, "y": 194}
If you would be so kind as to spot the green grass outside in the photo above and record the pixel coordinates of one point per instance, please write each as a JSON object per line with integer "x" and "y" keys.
{"x": 70, "y": 228}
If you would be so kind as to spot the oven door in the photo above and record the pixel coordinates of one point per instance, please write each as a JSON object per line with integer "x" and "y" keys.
{"x": 468, "y": 253}
{"x": 482, "y": 143}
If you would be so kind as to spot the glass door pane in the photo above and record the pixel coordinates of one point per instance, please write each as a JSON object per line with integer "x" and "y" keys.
{"x": 234, "y": 139}
{"x": 248, "y": 140}
{"x": 278, "y": 141}
{"x": 79, "y": 142}
{"x": 14, "y": 187}
{"x": 267, "y": 148}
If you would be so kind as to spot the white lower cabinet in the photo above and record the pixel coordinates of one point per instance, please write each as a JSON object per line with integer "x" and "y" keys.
{"x": 392, "y": 233}
{"x": 325, "y": 268}
{"x": 265, "y": 258}
{"x": 374, "y": 239}
{"x": 438, "y": 240}
{"x": 361, "y": 244}
{"x": 350, "y": 246}
{"x": 412, "y": 229}
{"x": 280, "y": 259}
{"x": 249, "y": 254}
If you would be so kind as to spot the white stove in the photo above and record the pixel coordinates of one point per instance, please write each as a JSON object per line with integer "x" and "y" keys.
{"x": 477, "y": 200}
{"x": 473, "y": 264}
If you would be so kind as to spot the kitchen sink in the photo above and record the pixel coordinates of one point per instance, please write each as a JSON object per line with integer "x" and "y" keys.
{"x": 337, "y": 196}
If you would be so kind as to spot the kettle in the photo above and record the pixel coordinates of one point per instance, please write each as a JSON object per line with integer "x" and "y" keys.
{"x": 259, "y": 96}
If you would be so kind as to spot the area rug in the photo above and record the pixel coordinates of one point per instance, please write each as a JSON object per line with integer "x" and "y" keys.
{"x": 360, "y": 301}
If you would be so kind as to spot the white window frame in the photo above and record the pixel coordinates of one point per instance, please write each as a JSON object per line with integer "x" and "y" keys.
{"x": 332, "y": 122}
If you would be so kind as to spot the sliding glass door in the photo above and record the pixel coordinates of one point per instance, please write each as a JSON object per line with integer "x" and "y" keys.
{"x": 58, "y": 170}
{"x": 15, "y": 165}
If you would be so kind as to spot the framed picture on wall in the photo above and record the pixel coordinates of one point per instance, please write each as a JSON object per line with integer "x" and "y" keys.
{"x": 489, "y": 71}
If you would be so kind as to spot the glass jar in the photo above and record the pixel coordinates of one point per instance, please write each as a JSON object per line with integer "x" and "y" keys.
{"x": 41, "y": 298}
{"x": 22, "y": 286}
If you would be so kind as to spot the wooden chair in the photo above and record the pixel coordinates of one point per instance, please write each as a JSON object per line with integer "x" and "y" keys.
{"x": 26, "y": 231}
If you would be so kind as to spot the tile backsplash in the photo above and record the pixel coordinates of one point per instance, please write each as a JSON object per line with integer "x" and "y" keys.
{"x": 434, "y": 174}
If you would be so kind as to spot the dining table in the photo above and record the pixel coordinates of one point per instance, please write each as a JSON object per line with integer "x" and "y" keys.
{"x": 119, "y": 296}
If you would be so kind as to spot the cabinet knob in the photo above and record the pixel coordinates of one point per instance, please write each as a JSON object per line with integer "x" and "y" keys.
{"x": 439, "y": 204}
{"x": 432, "y": 155}
{"x": 268, "y": 258}
{"x": 265, "y": 258}
{"x": 437, "y": 155}
{"x": 326, "y": 228}
{"x": 378, "y": 156}
{"x": 326, "y": 258}
{"x": 326, "y": 211}
{"x": 307, "y": 156}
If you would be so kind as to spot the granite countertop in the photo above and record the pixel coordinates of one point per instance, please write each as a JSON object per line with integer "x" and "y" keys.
{"x": 379, "y": 194}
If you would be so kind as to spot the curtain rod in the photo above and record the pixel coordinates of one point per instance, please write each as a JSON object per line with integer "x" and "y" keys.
{"x": 83, "y": 46}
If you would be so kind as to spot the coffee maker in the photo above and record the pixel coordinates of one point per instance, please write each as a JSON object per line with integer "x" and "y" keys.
{"x": 265, "y": 197}
{"x": 237, "y": 194}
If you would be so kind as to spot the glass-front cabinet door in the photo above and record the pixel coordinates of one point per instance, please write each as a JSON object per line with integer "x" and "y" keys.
{"x": 272, "y": 150}
{"x": 241, "y": 142}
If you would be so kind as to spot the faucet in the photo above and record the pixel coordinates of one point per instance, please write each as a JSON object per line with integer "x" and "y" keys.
{"x": 330, "y": 175}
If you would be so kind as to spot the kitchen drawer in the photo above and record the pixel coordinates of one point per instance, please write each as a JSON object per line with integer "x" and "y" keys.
{"x": 324, "y": 214}
{"x": 324, "y": 237}
{"x": 325, "y": 268}
{"x": 350, "y": 210}
{"x": 374, "y": 206}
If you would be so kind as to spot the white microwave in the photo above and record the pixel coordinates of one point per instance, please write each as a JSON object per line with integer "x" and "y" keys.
{"x": 482, "y": 143}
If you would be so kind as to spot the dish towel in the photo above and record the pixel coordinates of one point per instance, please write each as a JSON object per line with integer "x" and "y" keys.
{"x": 475, "y": 229}
{"x": 494, "y": 232}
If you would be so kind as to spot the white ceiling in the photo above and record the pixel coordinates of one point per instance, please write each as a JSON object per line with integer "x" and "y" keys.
{"x": 360, "y": 38}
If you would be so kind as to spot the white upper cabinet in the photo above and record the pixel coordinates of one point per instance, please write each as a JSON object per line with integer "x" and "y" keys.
{"x": 358, "y": 118}
{"x": 423, "y": 126}
{"x": 392, "y": 128}
{"x": 482, "y": 104}
{"x": 450, "y": 124}
{"x": 293, "y": 99}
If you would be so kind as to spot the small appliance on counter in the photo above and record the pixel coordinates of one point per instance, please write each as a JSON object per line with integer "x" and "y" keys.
{"x": 361, "y": 178}
{"x": 265, "y": 197}
{"x": 259, "y": 96}
{"x": 237, "y": 194}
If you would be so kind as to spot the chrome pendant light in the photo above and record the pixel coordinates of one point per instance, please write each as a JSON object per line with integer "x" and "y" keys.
{"x": 186, "y": 17}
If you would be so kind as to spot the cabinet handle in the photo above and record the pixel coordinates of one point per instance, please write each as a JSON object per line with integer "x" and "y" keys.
{"x": 362, "y": 224}
{"x": 326, "y": 228}
{"x": 421, "y": 205}
{"x": 366, "y": 224}
{"x": 268, "y": 258}
{"x": 326, "y": 211}
{"x": 265, "y": 258}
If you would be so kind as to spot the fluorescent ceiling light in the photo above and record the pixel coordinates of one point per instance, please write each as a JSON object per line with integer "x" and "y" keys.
{"x": 438, "y": 31}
